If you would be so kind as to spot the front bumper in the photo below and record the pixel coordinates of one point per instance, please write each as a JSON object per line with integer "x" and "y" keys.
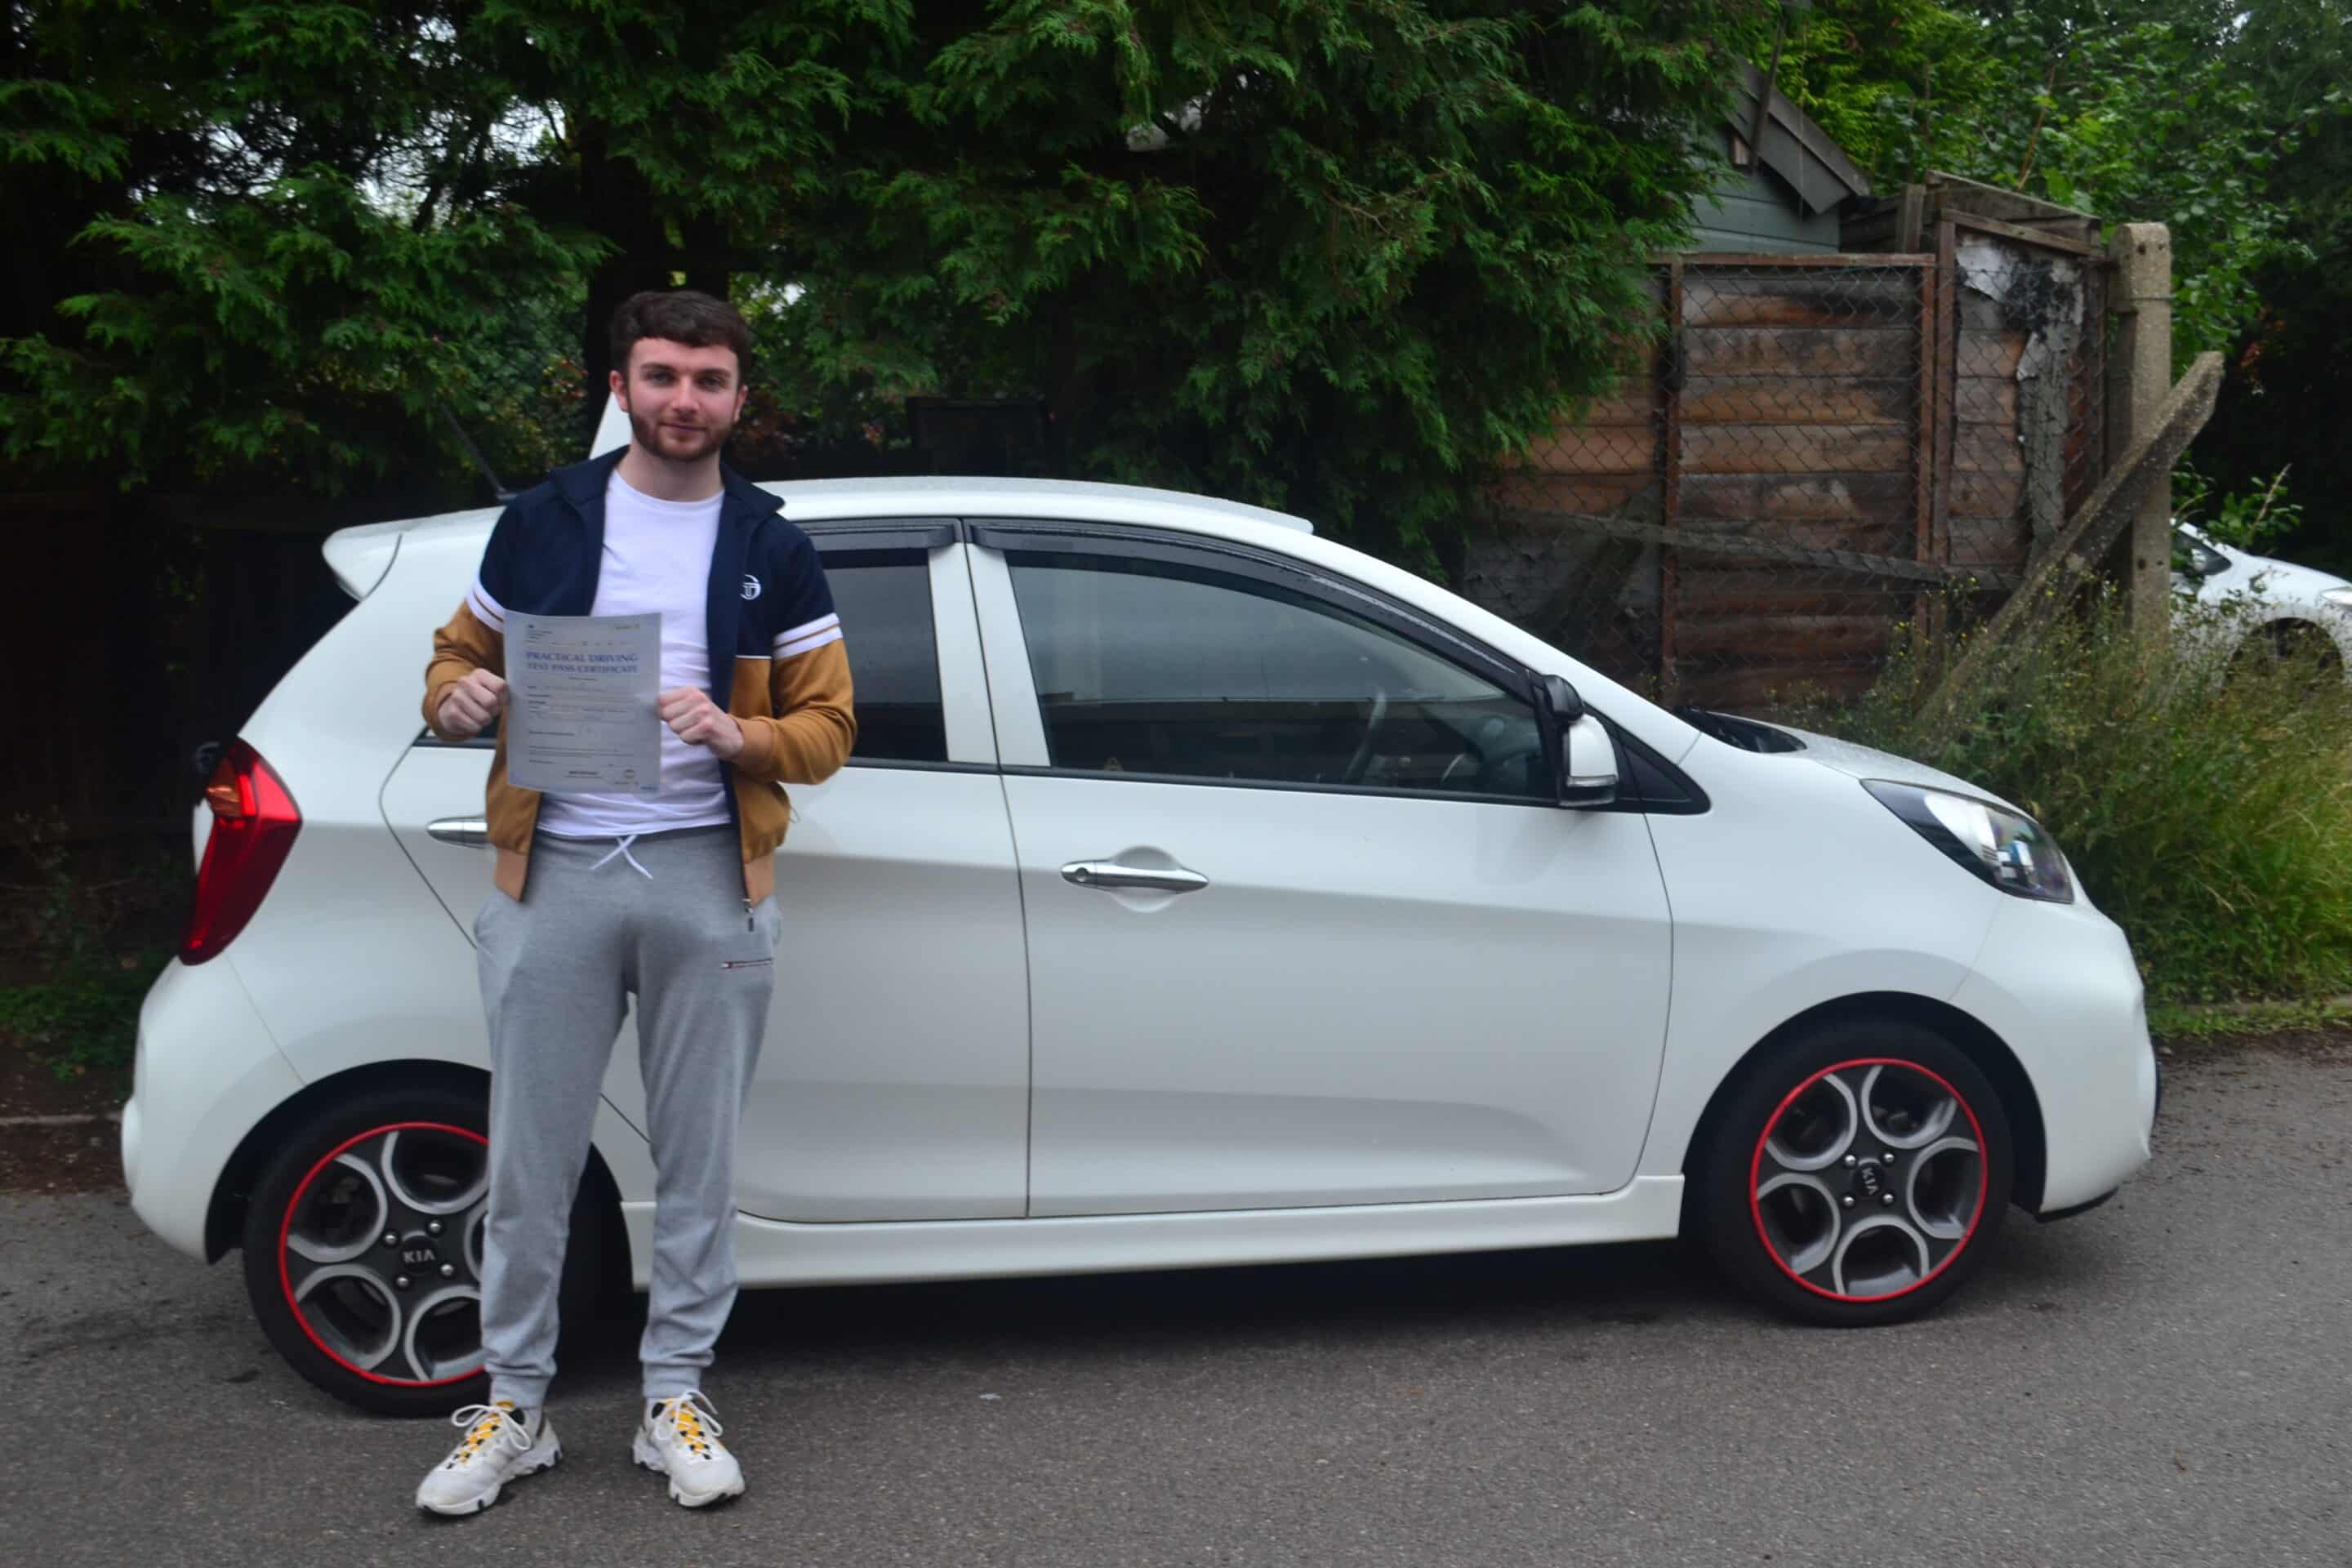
{"x": 2057, "y": 983}
{"x": 207, "y": 1073}
{"x": 2051, "y": 1217}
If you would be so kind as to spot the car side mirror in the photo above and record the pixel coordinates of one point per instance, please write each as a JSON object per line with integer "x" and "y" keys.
{"x": 2193, "y": 558}
{"x": 1588, "y": 757}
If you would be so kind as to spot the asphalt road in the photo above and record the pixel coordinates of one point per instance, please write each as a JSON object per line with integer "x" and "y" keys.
{"x": 2164, "y": 1381}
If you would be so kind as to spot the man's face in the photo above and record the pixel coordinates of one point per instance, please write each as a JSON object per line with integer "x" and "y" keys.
{"x": 682, "y": 402}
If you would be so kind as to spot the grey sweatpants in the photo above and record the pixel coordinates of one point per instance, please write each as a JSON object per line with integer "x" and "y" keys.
{"x": 556, "y": 971}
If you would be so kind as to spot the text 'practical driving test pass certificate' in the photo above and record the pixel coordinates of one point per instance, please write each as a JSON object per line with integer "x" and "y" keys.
{"x": 583, "y": 701}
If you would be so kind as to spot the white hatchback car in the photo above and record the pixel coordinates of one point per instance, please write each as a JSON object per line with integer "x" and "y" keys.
{"x": 1200, "y": 892}
{"x": 2248, "y": 602}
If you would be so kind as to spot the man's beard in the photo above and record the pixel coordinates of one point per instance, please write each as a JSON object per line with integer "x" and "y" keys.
{"x": 648, "y": 438}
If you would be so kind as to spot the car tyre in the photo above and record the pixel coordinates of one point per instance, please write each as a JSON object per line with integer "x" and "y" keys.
{"x": 363, "y": 1247}
{"x": 1859, "y": 1176}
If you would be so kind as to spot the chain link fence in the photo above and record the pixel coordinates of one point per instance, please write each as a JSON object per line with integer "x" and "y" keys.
{"x": 1823, "y": 456}
{"x": 527, "y": 410}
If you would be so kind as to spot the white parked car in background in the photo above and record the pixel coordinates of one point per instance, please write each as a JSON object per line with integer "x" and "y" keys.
{"x": 1200, "y": 892}
{"x": 2253, "y": 602}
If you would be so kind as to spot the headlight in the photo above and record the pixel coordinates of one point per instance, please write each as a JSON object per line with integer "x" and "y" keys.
{"x": 2340, "y": 598}
{"x": 2006, "y": 849}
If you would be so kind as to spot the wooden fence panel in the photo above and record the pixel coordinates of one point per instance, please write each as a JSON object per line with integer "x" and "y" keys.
{"x": 1874, "y": 405}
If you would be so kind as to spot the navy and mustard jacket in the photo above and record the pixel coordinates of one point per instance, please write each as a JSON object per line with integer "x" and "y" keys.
{"x": 788, "y": 686}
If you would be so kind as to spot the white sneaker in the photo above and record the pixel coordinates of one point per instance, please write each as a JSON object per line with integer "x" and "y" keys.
{"x": 501, "y": 1445}
{"x": 679, "y": 1437}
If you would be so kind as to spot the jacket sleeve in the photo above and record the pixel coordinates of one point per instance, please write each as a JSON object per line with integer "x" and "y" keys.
{"x": 808, "y": 687}
{"x": 474, "y": 638}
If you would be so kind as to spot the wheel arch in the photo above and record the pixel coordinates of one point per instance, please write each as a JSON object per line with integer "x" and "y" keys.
{"x": 1991, "y": 1055}
{"x": 224, "y": 1217}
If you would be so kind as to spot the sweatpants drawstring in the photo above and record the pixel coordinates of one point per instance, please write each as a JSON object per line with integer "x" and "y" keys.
{"x": 621, "y": 849}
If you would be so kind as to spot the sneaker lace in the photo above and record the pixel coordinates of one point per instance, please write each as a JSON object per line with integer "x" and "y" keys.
{"x": 690, "y": 1420}
{"x": 491, "y": 1426}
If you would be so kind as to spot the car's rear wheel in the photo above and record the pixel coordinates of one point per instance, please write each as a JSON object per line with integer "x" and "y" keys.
{"x": 363, "y": 1242}
{"x": 2296, "y": 645}
{"x": 1860, "y": 1175}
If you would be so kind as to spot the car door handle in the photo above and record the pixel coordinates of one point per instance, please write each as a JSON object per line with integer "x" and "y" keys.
{"x": 1111, "y": 874}
{"x": 473, "y": 832}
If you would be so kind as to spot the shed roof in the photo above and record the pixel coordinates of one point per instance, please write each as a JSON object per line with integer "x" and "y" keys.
{"x": 1799, "y": 151}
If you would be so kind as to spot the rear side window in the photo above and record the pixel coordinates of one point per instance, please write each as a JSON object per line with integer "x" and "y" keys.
{"x": 894, "y": 656}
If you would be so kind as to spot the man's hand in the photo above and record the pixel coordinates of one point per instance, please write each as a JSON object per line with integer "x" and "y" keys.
{"x": 700, "y": 721}
{"x": 468, "y": 707}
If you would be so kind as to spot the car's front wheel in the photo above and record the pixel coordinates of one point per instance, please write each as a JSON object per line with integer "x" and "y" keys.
{"x": 1860, "y": 1175}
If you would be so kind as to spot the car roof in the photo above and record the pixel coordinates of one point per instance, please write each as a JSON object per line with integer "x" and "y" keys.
{"x": 820, "y": 501}
{"x": 830, "y": 500}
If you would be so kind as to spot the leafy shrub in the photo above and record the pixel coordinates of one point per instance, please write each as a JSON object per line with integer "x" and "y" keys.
{"x": 92, "y": 950}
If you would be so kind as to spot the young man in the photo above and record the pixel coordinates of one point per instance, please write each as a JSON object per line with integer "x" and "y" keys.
{"x": 670, "y": 896}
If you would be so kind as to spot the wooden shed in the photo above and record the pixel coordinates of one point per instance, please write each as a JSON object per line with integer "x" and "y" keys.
{"x": 1786, "y": 188}
{"x": 1827, "y": 446}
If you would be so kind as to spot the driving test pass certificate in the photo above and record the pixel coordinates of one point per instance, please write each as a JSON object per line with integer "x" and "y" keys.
{"x": 583, "y": 701}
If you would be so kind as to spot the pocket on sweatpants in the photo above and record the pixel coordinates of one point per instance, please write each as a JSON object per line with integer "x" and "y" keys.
{"x": 496, "y": 905}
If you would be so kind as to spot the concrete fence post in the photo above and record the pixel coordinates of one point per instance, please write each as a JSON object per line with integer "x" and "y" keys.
{"x": 2139, "y": 374}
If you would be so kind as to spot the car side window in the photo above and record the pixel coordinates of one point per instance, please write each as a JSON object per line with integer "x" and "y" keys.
{"x": 894, "y": 658}
{"x": 1145, "y": 666}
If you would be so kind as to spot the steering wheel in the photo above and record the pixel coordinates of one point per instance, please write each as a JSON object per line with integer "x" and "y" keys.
{"x": 1470, "y": 764}
{"x": 1362, "y": 763}
{"x": 1490, "y": 750}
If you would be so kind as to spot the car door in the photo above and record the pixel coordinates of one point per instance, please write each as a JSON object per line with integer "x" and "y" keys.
{"x": 894, "y": 1080}
{"x": 1306, "y": 926}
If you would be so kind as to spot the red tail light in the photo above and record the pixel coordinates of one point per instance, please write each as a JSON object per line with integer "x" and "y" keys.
{"x": 253, "y": 825}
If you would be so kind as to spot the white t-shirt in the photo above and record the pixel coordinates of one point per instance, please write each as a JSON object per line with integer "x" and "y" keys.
{"x": 656, "y": 557}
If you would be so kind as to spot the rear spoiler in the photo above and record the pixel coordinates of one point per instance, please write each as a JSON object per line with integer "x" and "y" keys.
{"x": 359, "y": 557}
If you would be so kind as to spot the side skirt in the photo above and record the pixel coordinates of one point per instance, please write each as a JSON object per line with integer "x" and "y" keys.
{"x": 779, "y": 1253}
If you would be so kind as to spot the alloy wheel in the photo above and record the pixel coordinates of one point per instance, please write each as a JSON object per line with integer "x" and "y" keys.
{"x": 380, "y": 1253}
{"x": 1868, "y": 1180}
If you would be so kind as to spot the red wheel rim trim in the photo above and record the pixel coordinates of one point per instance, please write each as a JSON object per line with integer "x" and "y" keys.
{"x": 286, "y": 1229}
{"x": 1755, "y": 1166}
